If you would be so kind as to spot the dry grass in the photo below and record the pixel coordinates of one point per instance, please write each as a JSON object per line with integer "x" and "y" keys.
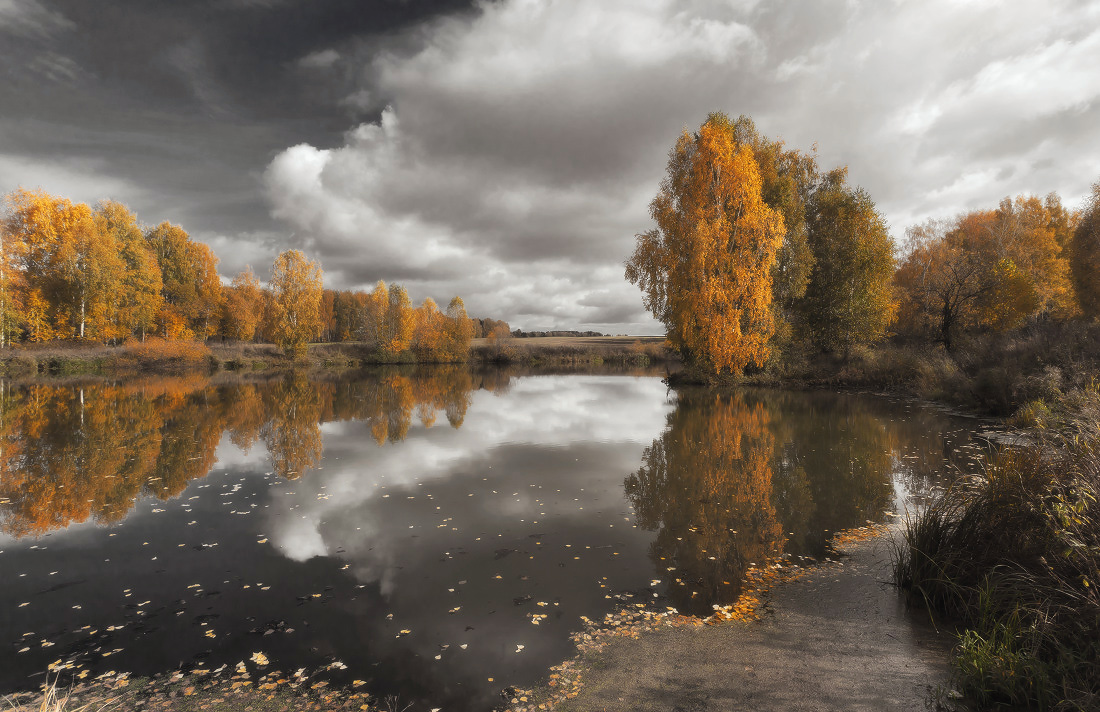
{"x": 163, "y": 356}
{"x": 1014, "y": 554}
{"x": 572, "y": 351}
{"x": 53, "y": 699}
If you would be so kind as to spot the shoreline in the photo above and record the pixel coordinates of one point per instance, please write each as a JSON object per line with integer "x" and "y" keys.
{"x": 157, "y": 357}
{"x": 833, "y": 635}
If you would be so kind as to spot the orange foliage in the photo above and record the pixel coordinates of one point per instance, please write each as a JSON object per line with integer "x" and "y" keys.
{"x": 706, "y": 487}
{"x": 987, "y": 269}
{"x": 70, "y": 272}
{"x": 165, "y": 355}
{"x": 706, "y": 271}
{"x": 73, "y": 453}
{"x": 295, "y": 301}
{"x": 243, "y": 307}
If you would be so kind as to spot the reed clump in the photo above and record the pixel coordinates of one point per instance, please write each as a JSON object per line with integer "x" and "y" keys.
{"x": 1013, "y": 555}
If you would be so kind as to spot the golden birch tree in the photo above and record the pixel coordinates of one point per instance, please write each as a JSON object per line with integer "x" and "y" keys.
{"x": 427, "y": 339}
{"x": 706, "y": 271}
{"x": 458, "y": 331}
{"x": 296, "y": 291}
{"x": 243, "y": 307}
{"x": 139, "y": 298}
{"x": 372, "y": 327}
{"x": 398, "y": 321}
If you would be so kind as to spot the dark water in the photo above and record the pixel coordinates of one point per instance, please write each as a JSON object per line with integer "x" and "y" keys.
{"x": 417, "y": 527}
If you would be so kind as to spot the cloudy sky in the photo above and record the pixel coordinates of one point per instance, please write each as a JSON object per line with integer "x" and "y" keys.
{"x": 506, "y": 151}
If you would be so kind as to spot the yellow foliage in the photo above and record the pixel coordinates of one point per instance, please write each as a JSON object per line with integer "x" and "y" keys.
{"x": 243, "y": 307}
{"x": 295, "y": 300}
{"x": 706, "y": 271}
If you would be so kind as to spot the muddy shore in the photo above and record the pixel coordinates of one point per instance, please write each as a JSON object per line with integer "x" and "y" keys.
{"x": 836, "y": 637}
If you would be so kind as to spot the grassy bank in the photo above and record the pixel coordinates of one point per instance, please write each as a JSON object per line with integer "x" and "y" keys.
{"x": 1044, "y": 376}
{"x": 1012, "y": 556}
{"x": 573, "y": 351}
{"x": 156, "y": 356}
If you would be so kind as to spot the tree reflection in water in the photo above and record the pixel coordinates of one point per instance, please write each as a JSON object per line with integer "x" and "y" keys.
{"x": 79, "y": 452}
{"x": 738, "y": 477}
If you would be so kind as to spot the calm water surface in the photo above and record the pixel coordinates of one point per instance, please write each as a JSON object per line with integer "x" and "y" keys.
{"x": 417, "y": 527}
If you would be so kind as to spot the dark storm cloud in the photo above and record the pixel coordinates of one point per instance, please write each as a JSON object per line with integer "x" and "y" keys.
{"x": 175, "y": 107}
{"x": 507, "y": 151}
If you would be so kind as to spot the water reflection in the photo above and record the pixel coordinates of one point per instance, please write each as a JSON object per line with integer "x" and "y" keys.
{"x": 705, "y": 486}
{"x": 738, "y": 477}
{"x": 414, "y": 524}
{"x": 89, "y": 451}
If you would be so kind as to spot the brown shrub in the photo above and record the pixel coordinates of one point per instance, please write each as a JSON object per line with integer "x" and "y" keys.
{"x": 161, "y": 355}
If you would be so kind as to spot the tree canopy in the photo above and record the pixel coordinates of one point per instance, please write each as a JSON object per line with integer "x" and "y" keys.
{"x": 848, "y": 301}
{"x": 706, "y": 270}
{"x": 1085, "y": 252}
{"x": 295, "y": 300}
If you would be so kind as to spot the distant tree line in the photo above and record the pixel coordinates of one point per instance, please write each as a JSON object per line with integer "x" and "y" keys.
{"x": 758, "y": 254}
{"x": 71, "y": 271}
{"x": 521, "y": 334}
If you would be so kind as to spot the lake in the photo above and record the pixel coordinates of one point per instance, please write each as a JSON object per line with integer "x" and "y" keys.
{"x": 434, "y": 534}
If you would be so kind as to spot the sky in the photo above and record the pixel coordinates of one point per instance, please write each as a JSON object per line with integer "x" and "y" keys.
{"x": 506, "y": 151}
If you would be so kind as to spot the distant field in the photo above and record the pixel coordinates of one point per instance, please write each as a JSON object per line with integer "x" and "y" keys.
{"x": 550, "y": 341}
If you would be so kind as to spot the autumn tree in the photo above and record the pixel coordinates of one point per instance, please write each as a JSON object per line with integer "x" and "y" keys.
{"x": 33, "y": 226}
{"x": 243, "y": 307}
{"x": 848, "y": 301}
{"x": 372, "y": 327}
{"x": 191, "y": 286}
{"x": 328, "y": 315}
{"x": 347, "y": 314}
{"x": 73, "y": 269}
{"x": 955, "y": 275}
{"x": 138, "y": 298}
{"x": 296, "y": 300}
{"x": 458, "y": 331}
{"x": 388, "y": 319}
{"x": 787, "y": 180}
{"x": 706, "y": 271}
{"x": 12, "y": 282}
{"x": 1030, "y": 233}
{"x": 1085, "y": 251}
{"x": 428, "y": 326}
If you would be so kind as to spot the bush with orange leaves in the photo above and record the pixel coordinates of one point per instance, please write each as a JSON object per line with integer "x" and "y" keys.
{"x": 164, "y": 356}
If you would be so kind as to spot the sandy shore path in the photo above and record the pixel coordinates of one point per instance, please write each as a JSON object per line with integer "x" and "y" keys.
{"x": 837, "y": 638}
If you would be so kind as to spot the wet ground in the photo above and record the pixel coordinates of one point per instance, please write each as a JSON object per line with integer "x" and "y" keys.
{"x": 838, "y": 637}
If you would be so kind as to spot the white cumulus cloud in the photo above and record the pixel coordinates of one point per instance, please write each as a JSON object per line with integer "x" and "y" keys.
{"x": 519, "y": 145}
